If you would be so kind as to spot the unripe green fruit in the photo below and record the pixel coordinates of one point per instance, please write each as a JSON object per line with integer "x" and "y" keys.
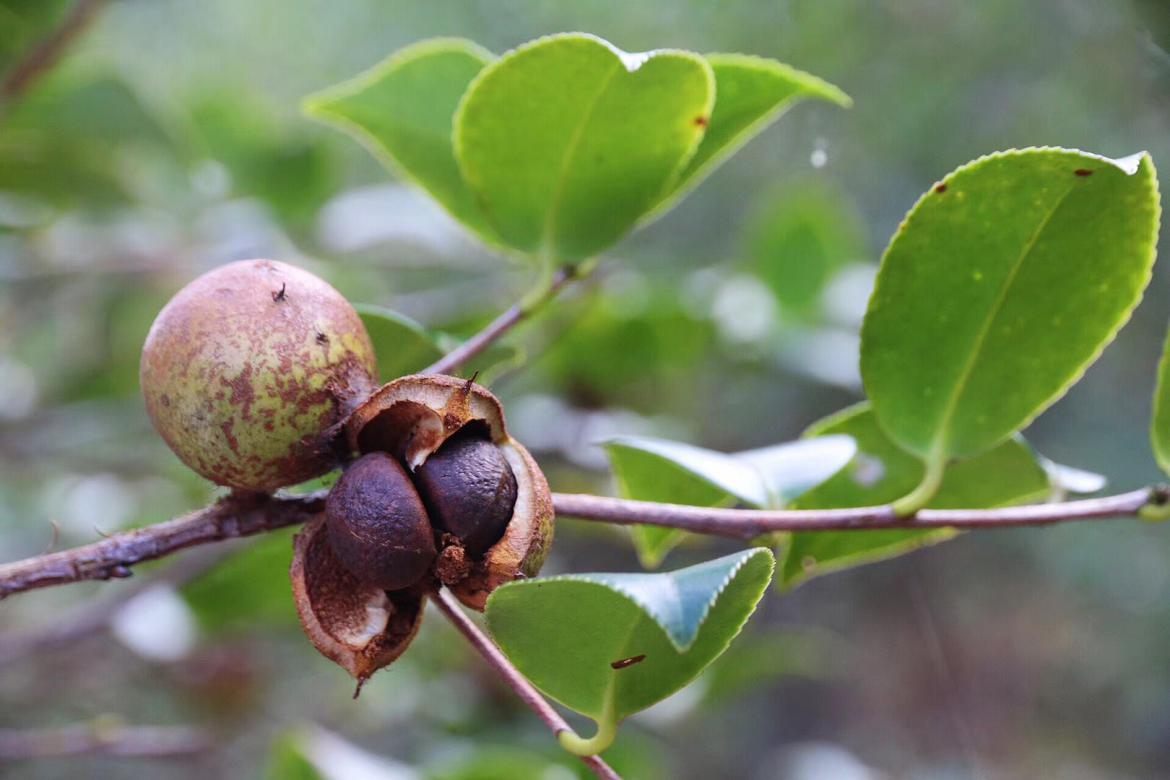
{"x": 248, "y": 367}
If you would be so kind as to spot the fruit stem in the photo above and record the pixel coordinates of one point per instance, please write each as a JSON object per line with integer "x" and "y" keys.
{"x": 547, "y": 287}
{"x": 495, "y": 657}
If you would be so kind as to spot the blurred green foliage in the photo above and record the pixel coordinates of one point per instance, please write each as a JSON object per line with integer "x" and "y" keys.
{"x": 171, "y": 139}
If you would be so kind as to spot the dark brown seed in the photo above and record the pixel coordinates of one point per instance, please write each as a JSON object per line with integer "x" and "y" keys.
{"x": 469, "y": 490}
{"x": 377, "y": 524}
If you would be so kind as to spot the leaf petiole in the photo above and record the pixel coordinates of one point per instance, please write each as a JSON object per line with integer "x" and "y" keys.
{"x": 599, "y": 742}
{"x": 917, "y": 498}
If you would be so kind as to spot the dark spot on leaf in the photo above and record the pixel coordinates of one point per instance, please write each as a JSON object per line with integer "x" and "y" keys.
{"x": 940, "y": 188}
{"x": 624, "y": 662}
{"x": 279, "y": 296}
{"x": 701, "y": 121}
{"x": 1083, "y": 172}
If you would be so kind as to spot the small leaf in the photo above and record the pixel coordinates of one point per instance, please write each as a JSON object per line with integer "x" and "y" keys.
{"x": 663, "y": 470}
{"x": 567, "y": 141}
{"x": 751, "y": 94}
{"x": 792, "y": 469}
{"x": 287, "y": 760}
{"x": 1004, "y": 283}
{"x": 248, "y": 591}
{"x": 880, "y": 473}
{"x": 609, "y": 645}
{"x": 649, "y": 469}
{"x": 1068, "y": 479}
{"x": 402, "y": 109}
{"x": 799, "y": 240}
{"x": 402, "y": 345}
{"x": 1160, "y": 426}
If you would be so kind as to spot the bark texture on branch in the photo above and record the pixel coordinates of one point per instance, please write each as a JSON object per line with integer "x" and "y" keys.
{"x": 237, "y": 516}
{"x": 113, "y": 557}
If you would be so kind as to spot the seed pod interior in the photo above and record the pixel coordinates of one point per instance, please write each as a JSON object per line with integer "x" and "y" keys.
{"x": 476, "y": 465}
{"x": 360, "y": 627}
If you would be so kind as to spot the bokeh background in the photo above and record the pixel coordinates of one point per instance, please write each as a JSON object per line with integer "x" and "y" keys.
{"x": 169, "y": 140}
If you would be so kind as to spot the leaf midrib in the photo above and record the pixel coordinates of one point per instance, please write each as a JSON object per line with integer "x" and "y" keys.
{"x": 941, "y": 441}
{"x": 547, "y": 240}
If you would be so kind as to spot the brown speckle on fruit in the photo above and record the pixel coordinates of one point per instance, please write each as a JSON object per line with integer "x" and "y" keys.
{"x": 240, "y": 389}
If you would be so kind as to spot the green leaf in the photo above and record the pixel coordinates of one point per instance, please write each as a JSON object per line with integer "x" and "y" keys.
{"x": 1068, "y": 479}
{"x": 1004, "y": 283}
{"x": 1160, "y": 426}
{"x": 791, "y": 469}
{"x": 609, "y": 645}
{"x": 657, "y": 470}
{"x": 402, "y": 345}
{"x": 501, "y": 762}
{"x": 881, "y": 472}
{"x": 287, "y": 760}
{"x": 653, "y": 469}
{"x": 751, "y": 94}
{"x": 402, "y": 109}
{"x": 650, "y": 469}
{"x": 567, "y": 141}
{"x": 249, "y": 590}
{"x": 800, "y": 239}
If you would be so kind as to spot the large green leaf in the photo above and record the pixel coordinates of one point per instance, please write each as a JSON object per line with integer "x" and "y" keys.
{"x": 402, "y": 109}
{"x": 751, "y": 93}
{"x": 1004, "y": 283}
{"x": 881, "y": 472}
{"x": 567, "y": 141}
{"x": 650, "y": 469}
{"x": 609, "y": 645}
{"x": 402, "y": 345}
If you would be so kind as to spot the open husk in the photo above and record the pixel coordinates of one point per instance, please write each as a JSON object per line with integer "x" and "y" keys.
{"x": 410, "y": 418}
{"x": 359, "y": 627}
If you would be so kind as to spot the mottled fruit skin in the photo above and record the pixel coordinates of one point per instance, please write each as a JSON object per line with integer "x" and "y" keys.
{"x": 377, "y": 524}
{"x": 469, "y": 490}
{"x": 246, "y": 368}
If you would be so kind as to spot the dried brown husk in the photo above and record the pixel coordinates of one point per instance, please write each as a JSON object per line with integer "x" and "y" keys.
{"x": 410, "y": 418}
{"x": 359, "y": 627}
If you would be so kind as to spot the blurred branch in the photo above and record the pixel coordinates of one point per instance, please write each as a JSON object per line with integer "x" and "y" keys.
{"x": 512, "y": 317}
{"x": 511, "y": 675}
{"x": 94, "y": 615}
{"x": 245, "y": 515}
{"x": 233, "y": 517}
{"x": 106, "y": 736}
{"x": 41, "y": 58}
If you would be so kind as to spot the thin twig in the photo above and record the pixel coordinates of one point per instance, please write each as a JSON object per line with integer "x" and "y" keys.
{"x": 243, "y": 516}
{"x": 41, "y": 58}
{"x": 112, "y": 557}
{"x": 509, "y": 319}
{"x": 511, "y": 675}
{"x": 103, "y": 736}
{"x": 750, "y": 523}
